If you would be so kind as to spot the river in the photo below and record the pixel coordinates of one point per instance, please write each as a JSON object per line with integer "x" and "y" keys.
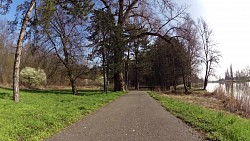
{"x": 236, "y": 89}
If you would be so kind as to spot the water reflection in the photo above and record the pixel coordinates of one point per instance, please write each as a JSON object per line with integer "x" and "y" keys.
{"x": 236, "y": 95}
{"x": 231, "y": 89}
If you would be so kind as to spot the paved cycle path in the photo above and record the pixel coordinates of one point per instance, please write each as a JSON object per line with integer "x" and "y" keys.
{"x": 132, "y": 117}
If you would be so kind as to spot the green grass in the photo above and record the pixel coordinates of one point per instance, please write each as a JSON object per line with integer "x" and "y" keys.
{"x": 217, "y": 125}
{"x": 42, "y": 113}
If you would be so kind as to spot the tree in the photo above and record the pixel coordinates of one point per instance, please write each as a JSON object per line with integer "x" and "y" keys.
{"x": 16, "y": 73}
{"x": 6, "y": 53}
{"x": 64, "y": 30}
{"x": 143, "y": 14}
{"x": 211, "y": 56}
{"x": 227, "y": 76}
{"x": 101, "y": 31}
{"x": 164, "y": 64}
{"x": 189, "y": 40}
{"x": 231, "y": 72}
{"x": 137, "y": 50}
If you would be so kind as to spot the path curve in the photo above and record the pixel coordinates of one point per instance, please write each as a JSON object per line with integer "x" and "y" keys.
{"x": 132, "y": 117}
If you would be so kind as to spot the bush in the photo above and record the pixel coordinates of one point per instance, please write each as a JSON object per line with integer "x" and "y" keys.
{"x": 33, "y": 77}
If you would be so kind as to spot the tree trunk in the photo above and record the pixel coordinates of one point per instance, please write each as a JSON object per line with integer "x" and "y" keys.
{"x": 184, "y": 83}
{"x": 16, "y": 95}
{"x": 136, "y": 81}
{"x": 73, "y": 86}
{"x": 105, "y": 84}
{"x": 206, "y": 76}
{"x": 136, "y": 70}
{"x": 189, "y": 75}
{"x": 118, "y": 60}
{"x": 190, "y": 79}
{"x": 105, "y": 79}
{"x": 127, "y": 70}
{"x": 205, "y": 83}
{"x": 118, "y": 82}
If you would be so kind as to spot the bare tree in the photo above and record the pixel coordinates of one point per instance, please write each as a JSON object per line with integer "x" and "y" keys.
{"x": 25, "y": 20}
{"x": 6, "y": 53}
{"x": 189, "y": 41}
{"x": 211, "y": 56}
{"x": 64, "y": 31}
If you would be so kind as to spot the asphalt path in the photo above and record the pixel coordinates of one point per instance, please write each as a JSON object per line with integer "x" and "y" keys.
{"x": 132, "y": 117}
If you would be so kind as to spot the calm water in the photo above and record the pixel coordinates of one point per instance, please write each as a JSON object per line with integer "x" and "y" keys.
{"x": 236, "y": 89}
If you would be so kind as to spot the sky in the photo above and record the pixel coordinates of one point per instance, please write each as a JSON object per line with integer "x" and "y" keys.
{"x": 230, "y": 22}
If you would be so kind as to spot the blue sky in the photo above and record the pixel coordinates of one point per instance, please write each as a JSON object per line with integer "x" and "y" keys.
{"x": 12, "y": 12}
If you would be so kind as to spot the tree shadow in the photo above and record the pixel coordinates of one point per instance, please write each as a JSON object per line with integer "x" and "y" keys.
{"x": 55, "y": 91}
{"x": 61, "y": 92}
{"x": 5, "y": 95}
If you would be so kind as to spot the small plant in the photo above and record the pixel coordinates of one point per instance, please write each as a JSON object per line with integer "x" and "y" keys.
{"x": 33, "y": 77}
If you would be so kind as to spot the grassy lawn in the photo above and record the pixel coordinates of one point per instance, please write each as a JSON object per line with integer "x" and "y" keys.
{"x": 42, "y": 113}
{"x": 217, "y": 125}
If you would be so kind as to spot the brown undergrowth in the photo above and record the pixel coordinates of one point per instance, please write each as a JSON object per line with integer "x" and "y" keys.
{"x": 235, "y": 103}
{"x": 216, "y": 100}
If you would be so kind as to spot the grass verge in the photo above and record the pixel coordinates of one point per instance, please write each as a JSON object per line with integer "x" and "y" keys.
{"x": 42, "y": 113}
{"x": 217, "y": 125}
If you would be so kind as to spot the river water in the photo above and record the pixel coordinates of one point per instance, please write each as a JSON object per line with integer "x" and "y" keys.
{"x": 236, "y": 89}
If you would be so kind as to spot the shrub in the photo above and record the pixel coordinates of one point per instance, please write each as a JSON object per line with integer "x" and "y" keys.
{"x": 33, "y": 77}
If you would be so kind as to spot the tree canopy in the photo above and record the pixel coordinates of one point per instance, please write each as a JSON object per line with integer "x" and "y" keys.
{"x": 130, "y": 43}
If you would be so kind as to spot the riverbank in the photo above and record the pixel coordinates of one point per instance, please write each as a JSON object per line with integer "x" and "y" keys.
{"x": 210, "y": 119}
{"x": 218, "y": 100}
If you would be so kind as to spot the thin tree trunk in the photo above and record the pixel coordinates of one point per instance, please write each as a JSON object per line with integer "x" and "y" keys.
{"x": 105, "y": 88}
{"x": 16, "y": 95}
{"x": 127, "y": 70}
{"x": 136, "y": 70}
{"x": 206, "y": 77}
{"x": 73, "y": 85}
{"x": 105, "y": 81}
{"x": 208, "y": 66}
{"x": 107, "y": 72}
{"x": 184, "y": 83}
{"x": 136, "y": 80}
{"x": 190, "y": 78}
